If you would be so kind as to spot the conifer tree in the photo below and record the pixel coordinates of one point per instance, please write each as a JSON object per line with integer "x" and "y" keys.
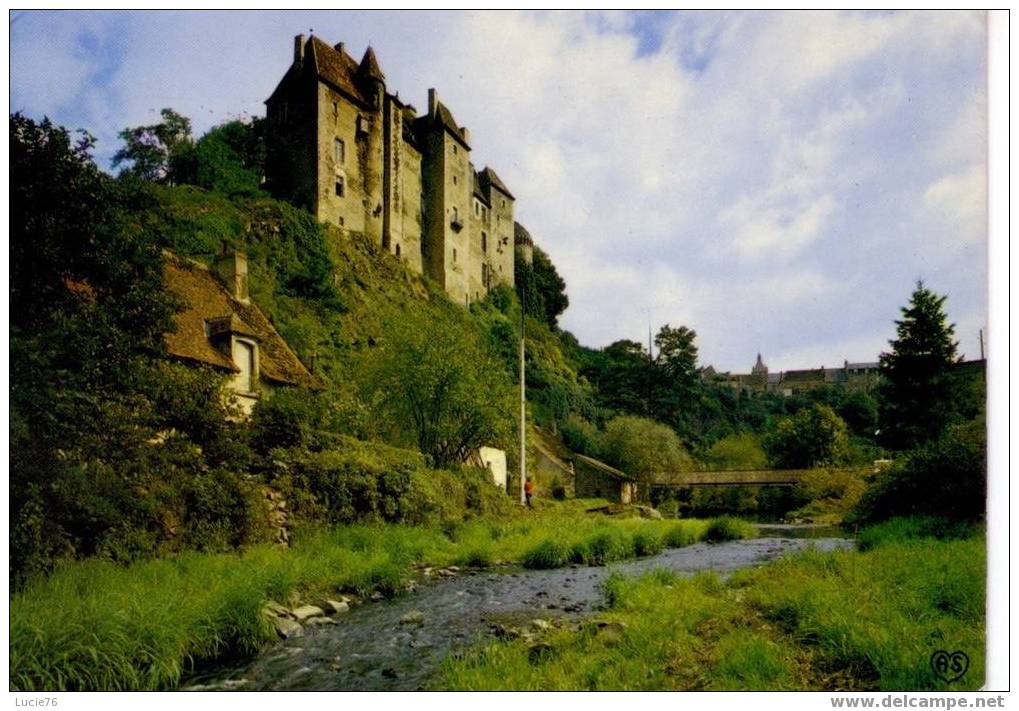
{"x": 918, "y": 394}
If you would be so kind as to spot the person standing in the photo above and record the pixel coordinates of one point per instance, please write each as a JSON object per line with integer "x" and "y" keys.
{"x": 529, "y": 491}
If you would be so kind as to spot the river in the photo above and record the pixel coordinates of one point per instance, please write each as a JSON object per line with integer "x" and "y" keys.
{"x": 399, "y": 644}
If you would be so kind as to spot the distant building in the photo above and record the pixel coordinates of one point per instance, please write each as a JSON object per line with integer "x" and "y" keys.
{"x": 220, "y": 327}
{"x": 851, "y": 376}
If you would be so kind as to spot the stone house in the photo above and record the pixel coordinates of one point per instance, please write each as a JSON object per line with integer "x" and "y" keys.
{"x": 357, "y": 156}
{"x": 219, "y": 326}
{"x": 597, "y": 480}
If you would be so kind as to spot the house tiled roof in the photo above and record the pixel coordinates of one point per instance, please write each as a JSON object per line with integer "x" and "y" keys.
{"x": 206, "y": 303}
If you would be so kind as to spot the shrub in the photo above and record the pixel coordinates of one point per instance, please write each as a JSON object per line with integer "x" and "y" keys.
{"x": 679, "y": 536}
{"x": 814, "y": 436}
{"x": 727, "y": 528}
{"x": 947, "y": 477}
{"x": 580, "y": 436}
{"x": 647, "y": 543}
{"x": 644, "y": 448}
{"x": 284, "y": 420}
{"x": 603, "y": 547}
{"x": 558, "y": 489}
{"x": 737, "y": 451}
{"x": 547, "y": 554}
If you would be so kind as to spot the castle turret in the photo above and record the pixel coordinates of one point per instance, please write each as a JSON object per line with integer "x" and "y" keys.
{"x": 371, "y": 77}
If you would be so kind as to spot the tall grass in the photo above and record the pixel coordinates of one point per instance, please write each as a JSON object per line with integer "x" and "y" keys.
{"x": 846, "y": 620}
{"x": 97, "y": 625}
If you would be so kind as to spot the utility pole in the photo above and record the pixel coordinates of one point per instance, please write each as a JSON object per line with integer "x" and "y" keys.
{"x": 981, "y": 344}
{"x": 523, "y": 410}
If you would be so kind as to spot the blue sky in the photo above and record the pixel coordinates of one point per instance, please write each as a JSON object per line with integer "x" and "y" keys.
{"x": 776, "y": 181}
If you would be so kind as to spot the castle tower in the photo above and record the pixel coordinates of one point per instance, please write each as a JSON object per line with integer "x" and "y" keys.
{"x": 447, "y": 178}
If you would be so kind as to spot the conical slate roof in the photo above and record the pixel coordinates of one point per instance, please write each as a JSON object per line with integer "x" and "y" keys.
{"x": 369, "y": 66}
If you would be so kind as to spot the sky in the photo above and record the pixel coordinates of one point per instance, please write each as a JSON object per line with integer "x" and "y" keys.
{"x": 777, "y": 181}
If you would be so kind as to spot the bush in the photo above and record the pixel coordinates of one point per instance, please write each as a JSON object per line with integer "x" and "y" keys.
{"x": 736, "y": 451}
{"x": 644, "y": 448}
{"x": 580, "y": 436}
{"x": 814, "y": 436}
{"x": 547, "y": 554}
{"x": 284, "y": 420}
{"x": 603, "y": 547}
{"x": 647, "y": 543}
{"x": 945, "y": 478}
{"x": 728, "y": 529}
{"x": 679, "y": 536}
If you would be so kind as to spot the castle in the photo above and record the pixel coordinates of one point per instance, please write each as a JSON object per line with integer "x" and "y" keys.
{"x": 341, "y": 145}
{"x": 851, "y": 376}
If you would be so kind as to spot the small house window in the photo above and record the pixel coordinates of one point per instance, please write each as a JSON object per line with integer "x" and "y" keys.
{"x": 339, "y": 186}
{"x": 339, "y": 152}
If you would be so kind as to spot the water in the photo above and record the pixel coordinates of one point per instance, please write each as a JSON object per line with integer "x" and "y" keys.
{"x": 377, "y": 647}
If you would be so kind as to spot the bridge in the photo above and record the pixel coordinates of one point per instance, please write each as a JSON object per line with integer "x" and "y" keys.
{"x": 736, "y": 477}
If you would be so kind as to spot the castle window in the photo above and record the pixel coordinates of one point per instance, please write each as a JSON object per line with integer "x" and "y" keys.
{"x": 454, "y": 254}
{"x": 484, "y": 242}
{"x": 339, "y": 186}
{"x": 339, "y": 152}
{"x": 504, "y": 202}
{"x": 336, "y": 108}
{"x": 477, "y": 208}
{"x": 484, "y": 275}
{"x": 454, "y": 180}
{"x": 456, "y": 214}
{"x": 398, "y": 250}
{"x": 454, "y": 149}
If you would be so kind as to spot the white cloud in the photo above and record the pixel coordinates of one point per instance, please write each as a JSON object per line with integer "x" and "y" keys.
{"x": 957, "y": 204}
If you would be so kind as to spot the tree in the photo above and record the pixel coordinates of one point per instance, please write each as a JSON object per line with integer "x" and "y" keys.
{"x": 450, "y": 392}
{"x": 230, "y": 159}
{"x": 918, "y": 392}
{"x": 675, "y": 380}
{"x": 643, "y": 448}
{"x": 156, "y": 153}
{"x": 540, "y": 288}
{"x": 814, "y": 436}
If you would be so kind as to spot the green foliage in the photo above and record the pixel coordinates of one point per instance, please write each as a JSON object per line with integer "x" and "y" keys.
{"x": 644, "y": 448}
{"x": 679, "y": 536}
{"x": 946, "y": 477}
{"x": 540, "y": 288}
{"x": 285, "y": 420}
{"x": 550, "y": 553}
{"x": 813, "y": 437}
{"x": 908, "y": 528}
{"x": 736, "y": 451}
{"x": 444, "y": 387}
{"x": 727, "y": 528}
{"x": 647, "y": 543}
{"x": 581, "y": 436}
{"x": 918, "y": 396}
{"x": 154, "y": 153}
{"x": 604, "y": 547}
{"x": 229, "y": 159}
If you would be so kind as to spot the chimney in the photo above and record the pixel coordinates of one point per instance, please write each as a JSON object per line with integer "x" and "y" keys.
{"x": 466, "y": 135}
{"x": 433, "y": 102}
{"x": 339, "y": 47}
{"x": 231, "y": 267}
{"x": 299, "y": 50}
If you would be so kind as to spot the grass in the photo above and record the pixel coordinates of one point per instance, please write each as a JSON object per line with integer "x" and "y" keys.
{"x": 99, "y": 626}
{"x": 846, "y": 620}
{"x": 728, "y": 528}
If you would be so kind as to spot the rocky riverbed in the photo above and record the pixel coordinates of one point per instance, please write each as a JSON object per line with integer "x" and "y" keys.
{"x": 398, "y": 644}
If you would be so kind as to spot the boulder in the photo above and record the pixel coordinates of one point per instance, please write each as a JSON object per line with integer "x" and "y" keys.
{"x": 306, "y": 612}
{"x": 541, "y": 625}
{"x": 335, "y": 607}
{"x": 414, "y": 617}
{"x": 319, "y": 621}
{"x": 287, "y": 628}
{"x": 274, "y": 609}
